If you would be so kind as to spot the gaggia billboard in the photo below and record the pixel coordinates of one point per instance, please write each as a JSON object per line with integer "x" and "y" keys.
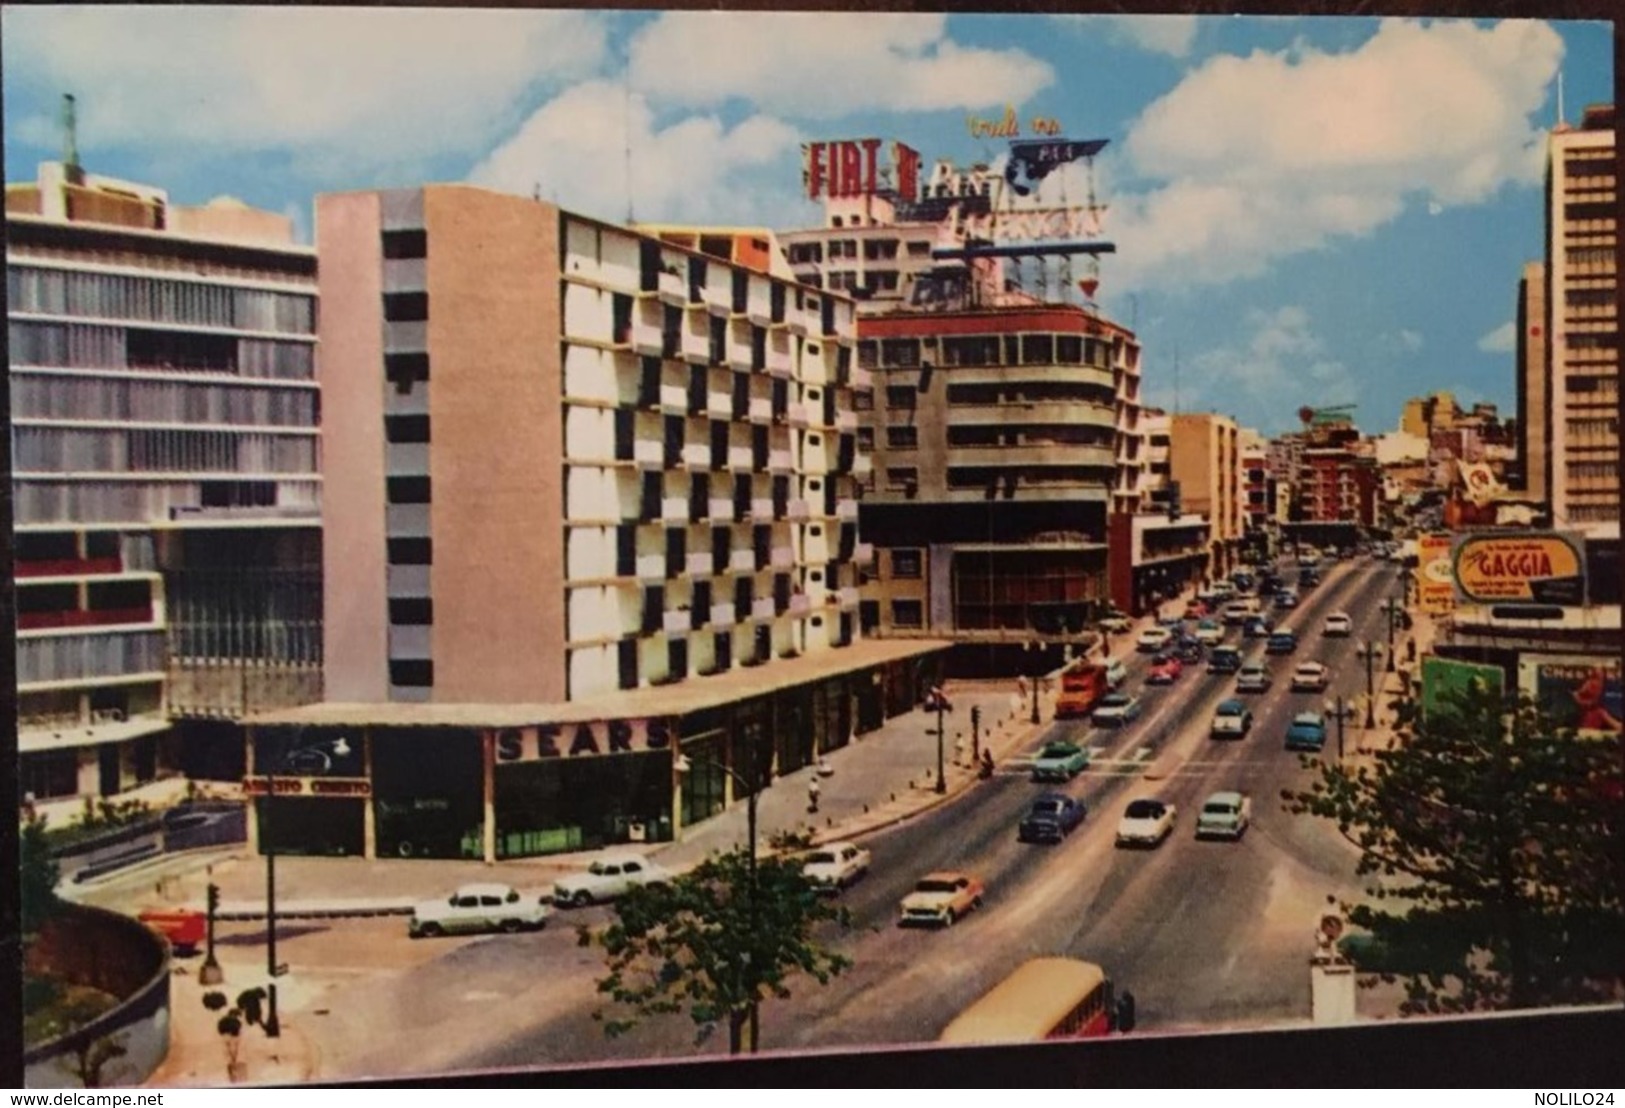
{"x": 1575, "y": 690}
{"x": 1540, "y": 567}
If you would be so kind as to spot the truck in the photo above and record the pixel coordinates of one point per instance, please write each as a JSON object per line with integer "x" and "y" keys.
{"x": 1083, "y": 683}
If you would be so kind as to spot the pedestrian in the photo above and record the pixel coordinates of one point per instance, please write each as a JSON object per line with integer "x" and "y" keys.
{"x": 813, "y": 789}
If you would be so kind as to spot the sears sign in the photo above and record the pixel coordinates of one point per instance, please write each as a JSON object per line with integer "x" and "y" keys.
{"x": 574, "y": 740}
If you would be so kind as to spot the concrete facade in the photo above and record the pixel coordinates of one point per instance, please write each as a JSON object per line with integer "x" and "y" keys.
{"x": 1204, "y": 458}
{"x": 1533, "y": 464}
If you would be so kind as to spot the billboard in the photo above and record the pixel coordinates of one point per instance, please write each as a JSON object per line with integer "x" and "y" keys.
{"x": 850, "y": 168}
{"x": 1542, "y": 567}
{"x": 1442, "y": 677}
{"x": 1575, "y": 690}
{"x": 1435, "y": 576}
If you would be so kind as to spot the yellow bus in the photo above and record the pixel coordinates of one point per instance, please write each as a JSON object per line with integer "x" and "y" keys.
{"x": 1047, "y": 998}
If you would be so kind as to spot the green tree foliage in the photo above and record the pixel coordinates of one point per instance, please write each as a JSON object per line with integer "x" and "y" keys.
{"x": 38, "y": 877}
{"x": 704, "y": 943}
{"x": 1495, "y": 838}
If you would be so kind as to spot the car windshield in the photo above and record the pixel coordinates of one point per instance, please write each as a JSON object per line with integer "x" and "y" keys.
{"x": 822, "y": 858}
{"x": 935, "y": 886}
{"x": 1218, "y": 808}
{"x": 1144, "y": 809}
{"x": 1060, "y": 750}
{"x": 1115, "y": 700}
{"x": 1208, "y": 625}
{"x": 1231, "y": 708}
{"x": 1046, "y": 807}
{"x": 598, "y": 868}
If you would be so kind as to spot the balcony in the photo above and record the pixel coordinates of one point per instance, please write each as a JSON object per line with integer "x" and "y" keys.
{"x": 800, "y": 415}
{"x": 740, "y": 459}
{"x": 800, "y": 605}
{"x": 778, "y": 461}
{"x": 722, "y": 616}
{"x": 674, "y": 510}
{"x": 674, "y": 399}
{"x": 101, "y": 617}
{"x": 651, "y": 567}
{"x": 864, "y": 553}
{"x": 848, "y": 598}
{"x": 862, "y": 466}
{"x": 862, "y": 379}
{"x": 672, "y": 288}
{"x": 742, "y": 560}
{"x": 719, "y": 405}
{"x": 721, "y": 508}
{"x": 800, "y": 511}
{"x": 761, "y": 409}
{"x": 718, "y": 302}
{"x": 699, "y": 563}
{"x": 846, "y": 511}
{"x": 695, "y": 345}
{"x": 778, "y": 362}
{"x": 696, "y": 455}
{"x": 647, "y": 338}
{"x": 782, "y": 557}
{"x": 68, "y": 567}
{"x": 761, "y": 509}
{"x": 648, "y": 454}
{"x": 846, "y": 422}
{"x": 1032, "y": 454}
{"x": 677, "y": 623}
{"x": 762, "y": 608}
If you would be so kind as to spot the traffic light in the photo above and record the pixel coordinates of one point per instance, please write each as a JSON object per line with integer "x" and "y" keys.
{"x": 213, "y": 898}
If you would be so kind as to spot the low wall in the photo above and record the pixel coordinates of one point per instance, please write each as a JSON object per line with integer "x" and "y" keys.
{"x": 107, "y": 951}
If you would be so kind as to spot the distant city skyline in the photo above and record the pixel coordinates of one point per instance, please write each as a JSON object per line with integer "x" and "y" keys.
{"x": 1307, "y": 210}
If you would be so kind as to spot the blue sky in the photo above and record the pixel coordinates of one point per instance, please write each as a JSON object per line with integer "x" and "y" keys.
{"x": 1307, "y": 210}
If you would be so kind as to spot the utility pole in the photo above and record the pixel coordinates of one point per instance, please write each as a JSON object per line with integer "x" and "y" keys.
{"x": 942, "y": 730}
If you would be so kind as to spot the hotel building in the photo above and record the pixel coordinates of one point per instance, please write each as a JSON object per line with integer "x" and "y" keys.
{"x": 592, "y": 505}
{"x": 165, "y": 480}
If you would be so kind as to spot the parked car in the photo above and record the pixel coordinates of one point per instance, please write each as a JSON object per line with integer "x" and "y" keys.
{"x": 1232, "y": 720}
{"x": 1224, "y": 659}
{"x": 1210, "y": 632}
{"x": 1117, "y": 709}
{"x": 1165, "y": 670}
{"x": 1050, "y": 819}
{"x": 1307, "y": 731}
{"x": 1256, "y": 627}
{"x": 1339, "y": 624}
{"x": 1224, "y": 815}
{"x": 1282, "y": 640}
{"x": 477, "y": 908}
{"x": 607, "y": 879}
{"x": 1061, "y": 761}
{"x": 939, "y": 899}
{"x": 1146, "y": 823}
{"x": 1254, "y": 677}
{"x": 832, "y": 868}
{"x": 1153, "y": 639}
{"x": 1310, "y": 677}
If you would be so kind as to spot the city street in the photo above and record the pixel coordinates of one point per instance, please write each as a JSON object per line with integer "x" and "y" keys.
{"x": 1207, "y": 935}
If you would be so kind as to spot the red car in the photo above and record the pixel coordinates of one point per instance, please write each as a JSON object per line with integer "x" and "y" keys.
{"x": 1196, "y": 610}
{"x": 184, "y": 928}
{"x": 1165, "y": 670}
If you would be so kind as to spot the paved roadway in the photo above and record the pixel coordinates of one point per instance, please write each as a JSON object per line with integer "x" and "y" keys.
{"x": 1208, "y": 935}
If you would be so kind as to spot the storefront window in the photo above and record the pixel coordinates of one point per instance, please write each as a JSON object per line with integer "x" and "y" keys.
{"x": 427, "y": 787}
{"x": 51, "y": 774}
{"x": 564, "y": 804}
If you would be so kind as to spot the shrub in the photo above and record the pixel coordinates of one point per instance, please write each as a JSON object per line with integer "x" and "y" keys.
{"x": 214, "y": 1000}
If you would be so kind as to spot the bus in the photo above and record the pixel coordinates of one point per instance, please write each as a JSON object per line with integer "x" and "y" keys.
{"x": 1047, "y": 998}
{"x": 1083, "y": 683}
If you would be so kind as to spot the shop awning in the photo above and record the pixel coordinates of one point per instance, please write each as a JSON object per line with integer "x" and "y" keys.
{"x": 693, "y": 695}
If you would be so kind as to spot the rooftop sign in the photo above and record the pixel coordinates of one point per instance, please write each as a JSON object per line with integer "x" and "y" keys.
{"x": 851, "y": 168}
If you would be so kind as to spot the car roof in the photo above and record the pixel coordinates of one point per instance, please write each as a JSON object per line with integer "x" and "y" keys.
{"x": 1224, "y": 798}
{"x": 836, "y": 846}
{"x": 1338, "y": 615}
{"x": 1231, "y": 703}
{"x": 484, "y": 889}
{"x": 1308, "y": 717}
{"x": 944, "y": 875}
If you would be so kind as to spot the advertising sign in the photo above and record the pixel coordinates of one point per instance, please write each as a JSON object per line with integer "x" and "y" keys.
{"x": 572, "y": 740}
{"x": 1576, "y": 691}
{"x": 310, "y": 786}
{"x": 1542, "y": 567}
{"x": 1444, "y": 678}
{"x": 852, "y": 168}
{"x": 1435, "y": 576}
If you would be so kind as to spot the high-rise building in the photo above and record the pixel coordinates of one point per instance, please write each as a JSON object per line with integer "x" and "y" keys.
{"x": 1532, "y": 462}
{"x": 165, "y": 479}
{"x": 1204, "y": 458}
{"x": 592, "y": 559}
{"x": 1581, "y": 325}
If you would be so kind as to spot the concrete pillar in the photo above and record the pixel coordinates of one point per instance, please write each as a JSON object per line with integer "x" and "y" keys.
{"x": 369, "y": 807}
{"x": 253, "y": 806}
{"x": 676, "y": 791}
{"x": 488, "y": 764}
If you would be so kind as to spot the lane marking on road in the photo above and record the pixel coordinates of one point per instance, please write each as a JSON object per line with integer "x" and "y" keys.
{"x": 1141, "y": 754}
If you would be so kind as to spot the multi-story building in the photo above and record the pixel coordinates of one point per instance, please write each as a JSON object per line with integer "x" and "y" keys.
{"x": 165, "y": 480}
{"x": 1528, "y": 473}
{"x": 1204, "y": 458}
{"x": 1003, "y": 439}
{"x": 1257, "y": 495}
{"x": 592, "y": 520}
{"x": 1581, "y": 325}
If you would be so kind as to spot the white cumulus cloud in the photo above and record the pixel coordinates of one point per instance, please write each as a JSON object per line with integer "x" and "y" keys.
{"x": 574, "y": 150}
{"x": 1173, "y": 35}
{"x": 1502, "y": 340}
{"x": 1279, "y": 362}
{"x": 1273, "y": 154}
{"x": 370, "y": 87}
{"x": 825, "y": 65}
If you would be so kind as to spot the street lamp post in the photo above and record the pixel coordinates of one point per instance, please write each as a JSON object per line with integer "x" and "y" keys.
{"x": 1369, "y": 649}
{"x": 340, "y": 747}
{"x": 1037, "y": 668}
{"x": 684, "y": 764}
{"x": 1393, "y": 612}
{"x": 1340, "y": 712}
{"x": 939, "y": 701}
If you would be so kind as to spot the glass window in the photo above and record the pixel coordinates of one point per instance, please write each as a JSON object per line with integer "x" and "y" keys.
{"x": 907, "y": 613}
{"x": 902, "y": 438}
{"x": 906, "y": 564}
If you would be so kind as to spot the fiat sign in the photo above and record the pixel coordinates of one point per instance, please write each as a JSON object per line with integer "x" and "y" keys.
{"x": 1539, "y": 567}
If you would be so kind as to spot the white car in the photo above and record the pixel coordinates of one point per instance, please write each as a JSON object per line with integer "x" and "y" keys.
{"x": 1210, "y": 632}
{"x": 834, "y": 867}
{"x": 1152, "y": 639}
{"x": 1116, "y": 673}
{"x": 1310, "y": 677}
{"x": 1339, "y": 623}
{"x": 607, "y": 879}
{"x": 1253, "y": 677}
{"x": 1146, "y": 823}
{"x": 478, "y": 908}
{"x": 1241, "y": 611}
{"x": 1225, "y": 815}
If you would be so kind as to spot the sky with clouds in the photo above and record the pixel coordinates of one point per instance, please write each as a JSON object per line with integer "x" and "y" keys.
{"x": 1306, "y": 210}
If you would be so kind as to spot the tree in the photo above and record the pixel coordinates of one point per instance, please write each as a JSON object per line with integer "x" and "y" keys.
{"x": 1495, "y": 835}
{"x": 704, "y": 942}
{"x": 38, "y": 876}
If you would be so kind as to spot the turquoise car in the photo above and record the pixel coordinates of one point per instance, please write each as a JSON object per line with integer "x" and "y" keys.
{"x": 1060, "y": 762}
{"x": 1307, "y": 732}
